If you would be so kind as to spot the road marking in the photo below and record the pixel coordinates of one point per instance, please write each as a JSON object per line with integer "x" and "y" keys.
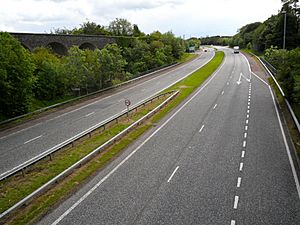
{"x": 247, "y": 121}
{"x": 241, "y": 166}
{"x": 245, "y": 135}
{"x": 222, "y": 93}
{"x": 248, "y": 103}
{"x": 248, "y": 106}
{"x": 246, "y": 127}
{"x": 247, "y": 115}
{"x": 244, "y": 144}
{"x": 260, "y": 79}
{"x": 243, "y": 154}
{"x": 286, "y": 146}
{"x": 227, "y": 83}
{"x": 249, "y": 99}
{"x": 215, "y": 106}
{"x": 248, "y": 111}
{"x": 236, "y": 201}
{"x": 201, "y": 128}
{"x": 32, "y": 139}
{"x": 135, "y": 150}
{"x": 232, "y": 222}
{"x": 239, "y": 182}
{"x": 173, "y": 174}
{"x": 89, "y": 114}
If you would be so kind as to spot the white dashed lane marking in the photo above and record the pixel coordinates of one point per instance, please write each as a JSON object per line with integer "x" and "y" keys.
{"x": 236, "y": 201}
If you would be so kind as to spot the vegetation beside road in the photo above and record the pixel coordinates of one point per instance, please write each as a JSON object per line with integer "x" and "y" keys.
{"x": 39, "y": 206}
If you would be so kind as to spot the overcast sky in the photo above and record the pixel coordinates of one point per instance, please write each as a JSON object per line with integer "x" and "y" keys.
{"x": 182, "y": 17}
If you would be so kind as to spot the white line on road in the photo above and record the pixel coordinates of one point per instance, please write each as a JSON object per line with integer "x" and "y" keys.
{"x": 222, "y": 93}
{"x": 248, "y": 106}
{"x": 286, "y": 146}
{"x": 32, "y": 139}
{"x": 89, "y": 114}
{"x": 246, "y": 127}
{"x": 135, "y": 150}
{"x": 215, "y": 106}
{"x": 239, "y": 182}
{"x": 227, "y": 83}
{"x": 241, "y": 166}
{"x": 245, "y": 135}
{"x": 243, "y": 154}
{"x": 247, "y": 115}
{"x": 201, "y": 128}
{"x": 173, "y": 174}
{"x": 248, "y": 103}
{"x": 232, "y": 222}
{"x": 247, "y": 121}
{"x": 236, "y": 201}
{"x": 248, "y": 111}
{"x": 244, "y": 144}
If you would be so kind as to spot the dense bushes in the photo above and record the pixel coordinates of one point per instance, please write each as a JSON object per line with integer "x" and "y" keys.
{"x": 45, "y": 76}
{"x": 287, "y": 64}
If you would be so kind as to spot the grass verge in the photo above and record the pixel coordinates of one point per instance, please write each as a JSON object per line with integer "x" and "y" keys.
{"x": 39, "y": 206}
{"x": 186, "y": 57}
{"x": 294, "y": 134}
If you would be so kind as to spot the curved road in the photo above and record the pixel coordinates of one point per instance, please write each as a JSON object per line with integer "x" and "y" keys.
{"x": 219, "y": 158}
{"x": 18, "y": 147}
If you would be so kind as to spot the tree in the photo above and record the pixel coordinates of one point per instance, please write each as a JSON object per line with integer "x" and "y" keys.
{"x": 16, "y": 77}
{"x": 51, "y": 80}
{"x": 91, "y": 28}
{"x": 120, "y": 27}
{"x": 112, "y": 64}
{"x": 136, "y": 31}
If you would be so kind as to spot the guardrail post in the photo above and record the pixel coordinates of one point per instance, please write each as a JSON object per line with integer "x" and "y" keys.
{"x": 23, "y": 172}
{"x": 90, "y": 134}
{"x": 50, "y": 156}
{"x": 117, "y": 120}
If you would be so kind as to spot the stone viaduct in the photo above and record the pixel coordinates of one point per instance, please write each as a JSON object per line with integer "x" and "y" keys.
{"x": 61, "y": 43}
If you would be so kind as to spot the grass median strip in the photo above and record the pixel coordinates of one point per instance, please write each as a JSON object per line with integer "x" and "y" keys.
{"x": 40, "y": 205}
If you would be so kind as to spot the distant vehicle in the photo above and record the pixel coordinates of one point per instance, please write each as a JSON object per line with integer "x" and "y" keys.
{"x": 205, "y": 50}
{"x": 236, "y": 49}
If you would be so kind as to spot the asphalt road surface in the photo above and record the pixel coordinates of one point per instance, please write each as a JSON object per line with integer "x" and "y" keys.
{"x": 219, "y": 158}
{"x": 19, "y": 147}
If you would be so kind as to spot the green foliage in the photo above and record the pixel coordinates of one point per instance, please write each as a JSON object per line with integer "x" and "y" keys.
{"x": 216, "y": 40}
{"x": 16, "y": 77}
{"x": 270, "y": 33}
{"x": 120, "y": 27}
{"x": 288, "y": 70}
{"x": 51, "y": 80}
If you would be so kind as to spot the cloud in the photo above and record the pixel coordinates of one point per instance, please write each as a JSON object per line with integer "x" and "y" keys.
{"x": 183, "y": 17}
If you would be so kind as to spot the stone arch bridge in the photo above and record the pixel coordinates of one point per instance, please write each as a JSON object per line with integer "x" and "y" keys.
{"x": 61, "y": 43}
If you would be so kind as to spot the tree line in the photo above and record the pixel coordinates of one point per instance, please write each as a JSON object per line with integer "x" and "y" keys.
{"x": 28, "y": 79}
{"x": 266, "y": 39}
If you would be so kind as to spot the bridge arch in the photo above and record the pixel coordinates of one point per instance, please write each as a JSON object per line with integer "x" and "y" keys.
{"x": 58, "y": 48}
{"x": 87, "y": 45}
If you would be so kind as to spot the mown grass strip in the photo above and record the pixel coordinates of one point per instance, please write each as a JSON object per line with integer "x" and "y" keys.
{"x": 42, "y": 204}
{"x": 187, "y": 57}
{"x": 18, "y": 187}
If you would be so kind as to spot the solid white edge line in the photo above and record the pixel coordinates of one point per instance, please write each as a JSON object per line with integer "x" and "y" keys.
{"x": 286, "y": 146}
{"x": 32, "y": 139}
{"x": 236, "y": 201}
{"x": 170, "y": 178}
{"x": 260, "y": 79}
{"x": 154, "y": 78}
{"x": 135, "y": 150}
{"x": 249, "y": 67}
{"x": 24, "y": 163}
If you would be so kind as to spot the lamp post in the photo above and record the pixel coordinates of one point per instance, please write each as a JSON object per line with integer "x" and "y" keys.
{"x": 284, "y": 29}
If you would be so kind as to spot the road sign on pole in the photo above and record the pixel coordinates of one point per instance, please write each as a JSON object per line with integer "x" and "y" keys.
{"x": 127, "y": 103}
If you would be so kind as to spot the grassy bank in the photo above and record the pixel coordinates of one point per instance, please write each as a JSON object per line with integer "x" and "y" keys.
{"x": 186, "y": 57}
{"x": 41, "y": 205}
{"x": 287, "y": 116}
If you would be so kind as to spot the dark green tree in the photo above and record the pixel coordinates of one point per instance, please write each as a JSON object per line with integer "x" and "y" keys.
{"x": 16, "y": 77}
